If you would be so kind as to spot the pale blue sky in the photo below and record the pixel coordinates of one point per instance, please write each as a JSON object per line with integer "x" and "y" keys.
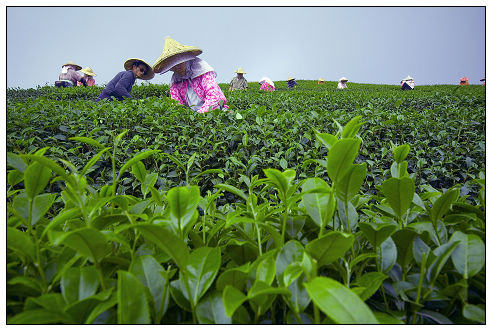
{"x": 380, "y": 45}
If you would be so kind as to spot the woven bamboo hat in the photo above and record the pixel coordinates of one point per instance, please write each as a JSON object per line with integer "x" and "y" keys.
{"x": 174, "y": 53}
{"x": 71, "y": 63}
{"x": 290, "y": 78}
{"x": 343, "y": 79}
{"x": 240, "y": 71}
{"x": 321, "y": 80}
{"x": 150, "y": 73}
{"x": 88, "y": 71}
{"x": 408, "y": 78}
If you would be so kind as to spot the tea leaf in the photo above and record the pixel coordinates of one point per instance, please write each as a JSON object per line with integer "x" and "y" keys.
{"x": 376, "y": 233}
{"x": 330, "y": 247}
{"x": 399, "y": 193}
{"x": 400, "y": 153}
{"x": 36, "y": 177}
{"x": 341, "y": 156}
{"x": 132, "y": 303}
{"x": 469, "y": 256}
{"x": 338, "y": 302}
{"x": 443, "y": 203}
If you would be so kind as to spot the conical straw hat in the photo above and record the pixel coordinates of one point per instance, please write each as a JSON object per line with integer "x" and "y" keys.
{"x": 343, "y": 79}
{"x": 290, "y": 78}
{"x": 70, "y": 63}
{"x": 240, "y": 71}
{"x": 150, "y": 73}
{"x": 321, "y": 79}
{"x": 408, "y": 78}
{"x": 168, "y": 57}
{"x": 88, "y": 71}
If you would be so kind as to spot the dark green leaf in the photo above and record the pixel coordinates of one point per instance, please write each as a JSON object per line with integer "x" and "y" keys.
{"x": 211, "y": 310}
{"x": 201, "y": 270}
{"x": 36, "y": 177}
{"x": 469, "y": 256}
{"x": 376, "y": 233}
{"x": 78, "y": 283}
{"x": 399, "y": 193}
{"x": 86, "y": 241}
{"x": 330, "y": 247}
{"x": 165, "y": 240}
{"x": 443, "y": 204}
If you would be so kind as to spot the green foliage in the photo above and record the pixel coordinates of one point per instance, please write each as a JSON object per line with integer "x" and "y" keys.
{"x": 313, "y": 206}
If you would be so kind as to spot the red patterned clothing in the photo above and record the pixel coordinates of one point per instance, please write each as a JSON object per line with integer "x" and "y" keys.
{"x": 267, "y": 87}
{"x": 90, "y": 82}
{"x": 205, "y": 86}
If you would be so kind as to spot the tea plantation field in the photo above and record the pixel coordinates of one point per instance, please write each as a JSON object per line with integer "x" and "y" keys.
{"x": 304, "y": 206}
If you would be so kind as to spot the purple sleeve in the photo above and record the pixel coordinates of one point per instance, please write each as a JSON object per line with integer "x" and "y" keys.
{"x": 124, "y": 85}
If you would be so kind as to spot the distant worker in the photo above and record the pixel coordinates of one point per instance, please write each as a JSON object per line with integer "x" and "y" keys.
{"x": 464, "y": 81}
{"x": 239, "y": 82}
{"x": 120, "y": 86}
{"x": 193, "y": 82}
{"x": 88, "y": 76}
{"x": 291, "y": 82}
{"x": 407, "y": 83}
{"x": 266, "y": 84}
{"x": 69, "y": 76}
{"x": 342, "y": 83}
{"x": 483, "y": 80}
{"x": 321, "y": 81}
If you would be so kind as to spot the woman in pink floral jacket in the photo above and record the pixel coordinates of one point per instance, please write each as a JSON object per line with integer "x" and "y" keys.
{"x": 193, "y": 83}
{"x": 266, "y": 84}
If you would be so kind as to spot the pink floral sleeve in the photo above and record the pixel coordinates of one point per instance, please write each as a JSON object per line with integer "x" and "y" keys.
{"x": 174, "y": 90}
{"x": 267, "y": 87}
{"x": 212, "y": 92}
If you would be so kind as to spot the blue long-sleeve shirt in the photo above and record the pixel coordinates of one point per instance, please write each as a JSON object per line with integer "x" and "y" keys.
{"x": 291, "y": 83}
{"x": 119, "y": 87}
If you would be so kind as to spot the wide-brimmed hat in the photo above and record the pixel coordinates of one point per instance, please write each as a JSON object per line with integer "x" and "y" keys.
{"x": 464, "y": 79}
{"x": 268, "y": 80}
{"x": 408, "y": 78}
{"x": 321, "y": 79}
{"x": 290, "y": 78}
{"x": 174, "y": 53}
{"x": 343, "y": 79}
{"x": 88, "y": 71}
{"x": 150, "y": 72}
{"x": 482, "y": 79}
{"x": 70, "y": 63}
{"x": 240, "y": 71}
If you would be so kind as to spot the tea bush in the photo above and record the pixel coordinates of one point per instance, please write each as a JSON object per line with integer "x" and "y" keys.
{"x": 311, "y": 205}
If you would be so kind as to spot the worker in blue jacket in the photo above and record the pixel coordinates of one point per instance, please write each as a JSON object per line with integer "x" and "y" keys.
{"x": 121, "y": 85}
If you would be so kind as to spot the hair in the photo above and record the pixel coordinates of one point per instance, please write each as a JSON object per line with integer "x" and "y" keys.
{"x": 137, "y": 63}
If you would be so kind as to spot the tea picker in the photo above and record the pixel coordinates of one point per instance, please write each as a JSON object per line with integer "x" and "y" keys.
{"x": 69, "y": 76}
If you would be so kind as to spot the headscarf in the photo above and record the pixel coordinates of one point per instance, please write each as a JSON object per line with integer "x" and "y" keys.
{"x": 65, "y": 69}
{"x": 268, "y": 80}
{"x": 194, "y": 68}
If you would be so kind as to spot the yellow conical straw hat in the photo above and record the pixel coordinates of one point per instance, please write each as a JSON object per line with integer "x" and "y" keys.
{"x": 88, "y": 71}
{"x": 170, "y": 55}
{"x": 150, "y": 73}
{"x": 71, "y": 63}
{"x": 240, "y": 71}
